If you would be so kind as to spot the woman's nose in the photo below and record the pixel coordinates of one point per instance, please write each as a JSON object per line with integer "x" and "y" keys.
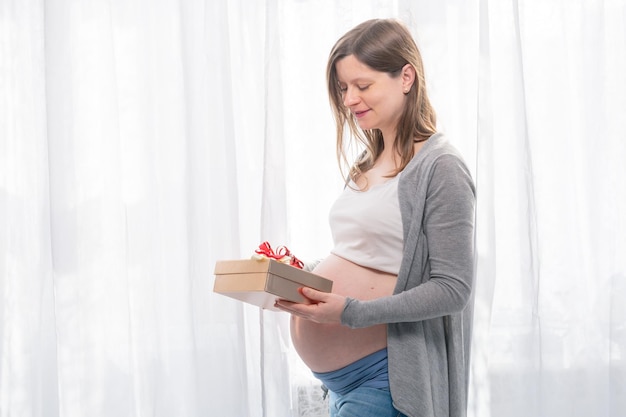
{"x": 350, "y": 98}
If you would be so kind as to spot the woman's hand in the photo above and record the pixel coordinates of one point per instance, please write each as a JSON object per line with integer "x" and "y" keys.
{"x": 324, "y": 308}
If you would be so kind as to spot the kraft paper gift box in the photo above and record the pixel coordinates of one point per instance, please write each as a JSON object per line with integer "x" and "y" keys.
{"x": 261, "y": 282}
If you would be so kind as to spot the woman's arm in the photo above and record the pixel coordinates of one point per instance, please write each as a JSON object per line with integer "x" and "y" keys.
{"x": 448, "y": 227}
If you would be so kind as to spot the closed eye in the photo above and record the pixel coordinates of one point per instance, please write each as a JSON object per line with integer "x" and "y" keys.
{"x": 360, "y": 87}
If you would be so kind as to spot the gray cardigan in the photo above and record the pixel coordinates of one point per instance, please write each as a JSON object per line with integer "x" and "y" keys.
{"x": 429, "y": 316}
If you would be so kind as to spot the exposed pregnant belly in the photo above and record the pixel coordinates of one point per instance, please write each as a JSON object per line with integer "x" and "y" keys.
{"x": 325, "y": 347}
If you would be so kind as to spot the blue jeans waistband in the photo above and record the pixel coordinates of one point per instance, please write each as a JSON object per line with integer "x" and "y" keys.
{"x": 370, "y": 371}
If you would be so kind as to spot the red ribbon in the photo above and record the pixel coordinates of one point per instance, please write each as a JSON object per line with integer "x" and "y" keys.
{"x": 280, "y": 253}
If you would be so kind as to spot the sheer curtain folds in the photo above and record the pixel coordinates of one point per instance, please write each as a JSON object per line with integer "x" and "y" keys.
{"x": 550, "y": 331}
{"x": 120, "y": 171}
{"x": 142, "y": 141}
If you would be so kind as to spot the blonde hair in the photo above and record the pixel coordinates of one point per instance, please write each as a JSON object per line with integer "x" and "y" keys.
{"x": 384, "y": 45}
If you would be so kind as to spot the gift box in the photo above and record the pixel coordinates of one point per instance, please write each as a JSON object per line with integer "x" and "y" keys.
{"x": 261, "y": 281}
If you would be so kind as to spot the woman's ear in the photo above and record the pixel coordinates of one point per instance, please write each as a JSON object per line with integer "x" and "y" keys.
{"x": 408, "y": 77}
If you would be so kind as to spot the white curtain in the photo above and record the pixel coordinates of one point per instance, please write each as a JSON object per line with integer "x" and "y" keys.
{"x": 141, "y": 141}
{"x": 551, "y": 316}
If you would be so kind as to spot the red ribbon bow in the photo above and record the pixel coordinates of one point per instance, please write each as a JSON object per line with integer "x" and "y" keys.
{"x": 280, "y": 253}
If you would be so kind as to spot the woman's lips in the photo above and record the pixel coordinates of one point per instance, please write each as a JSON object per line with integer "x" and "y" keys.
{"x": 359, "y": 114}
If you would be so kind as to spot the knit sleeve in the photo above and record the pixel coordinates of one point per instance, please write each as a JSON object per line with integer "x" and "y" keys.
{"x": 448, "y": 230}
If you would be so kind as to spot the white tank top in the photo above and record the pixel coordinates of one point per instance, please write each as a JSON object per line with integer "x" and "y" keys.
{"x": 366, "y": 226}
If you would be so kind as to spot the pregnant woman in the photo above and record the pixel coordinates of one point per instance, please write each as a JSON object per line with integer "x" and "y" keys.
{"x": 392, "y": 339}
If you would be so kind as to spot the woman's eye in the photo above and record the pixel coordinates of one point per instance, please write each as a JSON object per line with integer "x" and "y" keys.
{"x": 344, "y": 89}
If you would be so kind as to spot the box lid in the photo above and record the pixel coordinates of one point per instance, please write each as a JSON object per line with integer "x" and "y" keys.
{"x": 241, "y": 266}
{"x": 247, "y": 266}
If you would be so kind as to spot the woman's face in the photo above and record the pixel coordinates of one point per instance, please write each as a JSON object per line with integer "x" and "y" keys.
{"x": 375, "y": 98}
